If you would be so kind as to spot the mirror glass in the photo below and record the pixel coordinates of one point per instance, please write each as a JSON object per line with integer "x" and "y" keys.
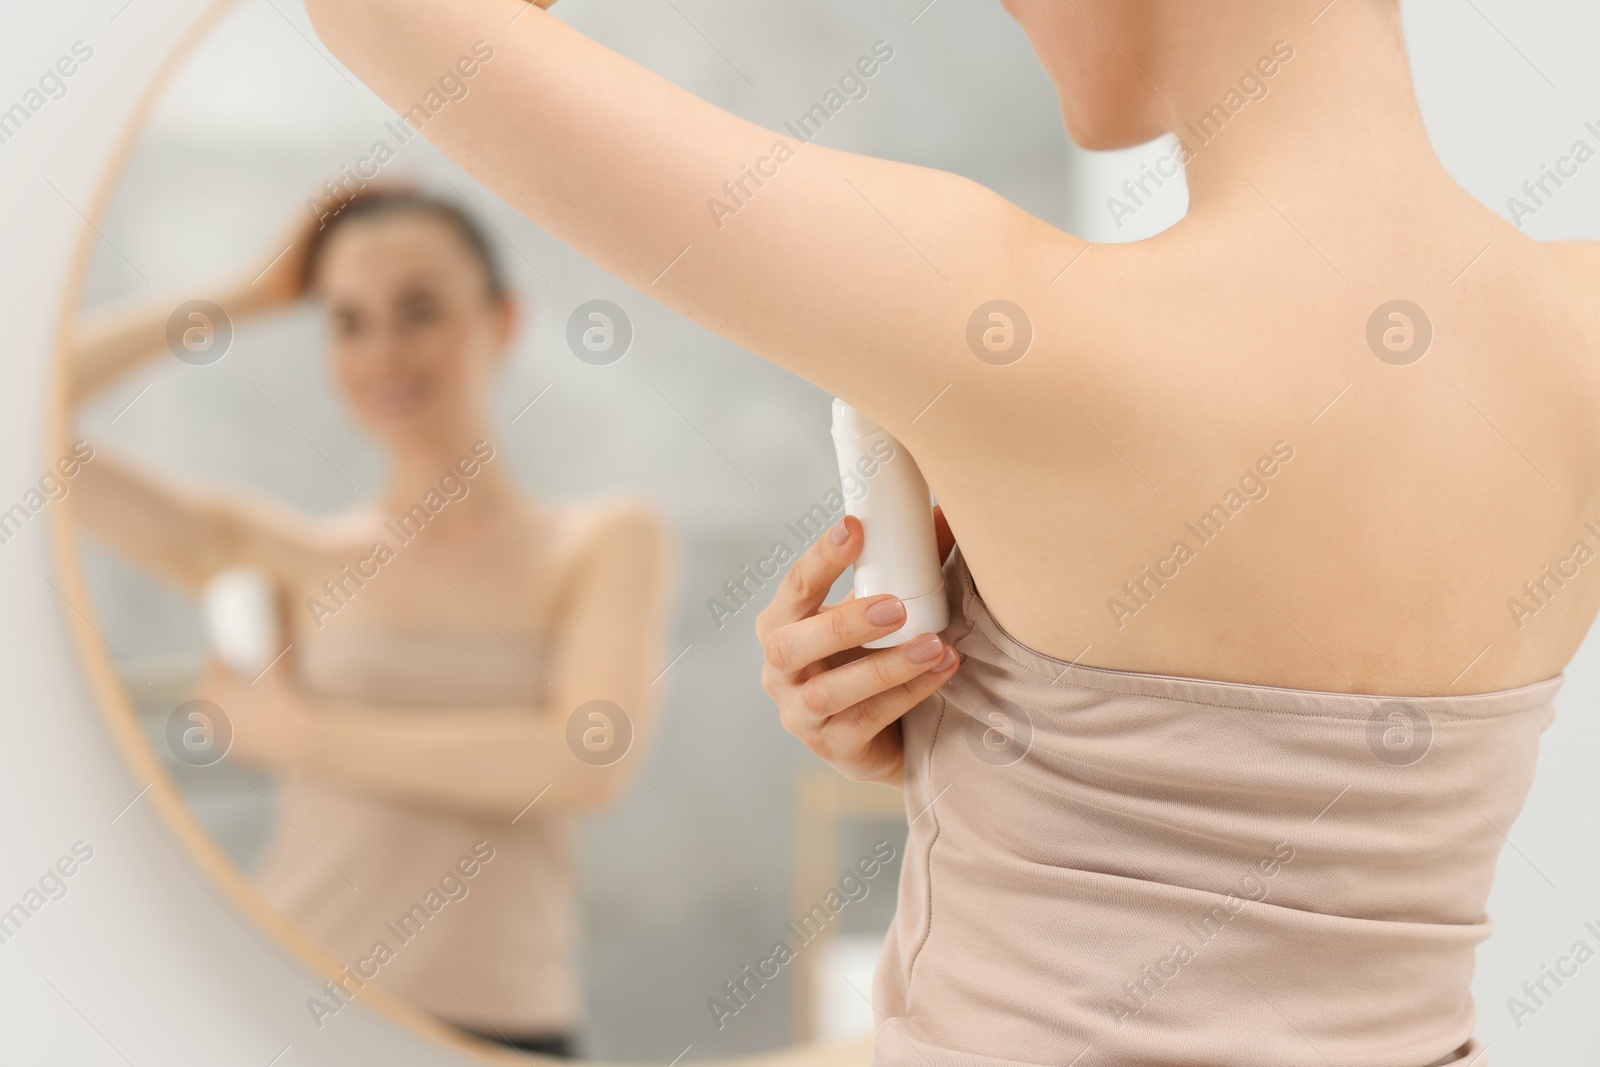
{"x": 365, "y": 506}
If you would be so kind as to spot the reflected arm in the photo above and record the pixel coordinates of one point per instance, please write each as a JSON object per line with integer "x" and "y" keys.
{"x": 109, "y": 342}
{"x": 489, "y": 763}
{"x": 184, "y": 535}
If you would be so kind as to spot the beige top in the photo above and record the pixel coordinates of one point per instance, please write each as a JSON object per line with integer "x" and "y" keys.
{"x": 1111, "y": 868}
{"x": 348, "y": 866}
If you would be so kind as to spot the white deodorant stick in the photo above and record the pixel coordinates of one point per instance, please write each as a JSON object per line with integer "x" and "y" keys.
{"x": 241, "y": 617}
{"x": 884, "y": 490}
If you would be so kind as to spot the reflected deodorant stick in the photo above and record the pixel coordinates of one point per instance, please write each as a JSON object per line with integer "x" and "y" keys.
{"x": 884, "y": 490}
{"x": 241, "y": 618}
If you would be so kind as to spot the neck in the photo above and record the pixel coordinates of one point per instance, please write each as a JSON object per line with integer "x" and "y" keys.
{"x": 419, "y": 467}
{"x": 1278, "y": 101}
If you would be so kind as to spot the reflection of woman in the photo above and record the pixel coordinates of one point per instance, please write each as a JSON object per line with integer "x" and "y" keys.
{"x": 420, "y": 720}
{"x": 1258, "y": 471}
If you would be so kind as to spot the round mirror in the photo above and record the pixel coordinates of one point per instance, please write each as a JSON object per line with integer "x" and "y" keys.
{"x": 423, "y": 553}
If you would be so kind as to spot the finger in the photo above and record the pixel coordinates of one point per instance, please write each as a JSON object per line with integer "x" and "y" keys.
{"x": 831, "y": 692}
{"x": 838, "y": 628}
{"x": 873, "y": 715}
{"x": 804, "y": 588}
{"x": 943, "y": 537}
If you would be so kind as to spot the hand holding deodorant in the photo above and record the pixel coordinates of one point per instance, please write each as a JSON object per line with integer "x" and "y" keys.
{"x": 901, "y": 550}
{"x": 241, "y": 617}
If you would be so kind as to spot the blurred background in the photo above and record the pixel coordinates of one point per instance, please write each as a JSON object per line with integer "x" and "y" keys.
{"x": 733, "y": 825}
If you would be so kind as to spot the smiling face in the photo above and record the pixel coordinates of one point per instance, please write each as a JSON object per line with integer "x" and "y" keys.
{"x": 1105, "y": 101}
{"x": 416, "y": 333}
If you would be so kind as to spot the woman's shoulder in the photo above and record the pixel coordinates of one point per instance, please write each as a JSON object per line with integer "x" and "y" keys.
{"x": 357, "y": 524}
{"x": 599, "y": 527}
{"x": 603, "y": 540}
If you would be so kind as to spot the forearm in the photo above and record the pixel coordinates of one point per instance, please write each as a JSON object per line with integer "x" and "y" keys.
{"x": 485, "y": 762}
{"x": 177, "y": 532}
{"x": 495, "y": 761}
{"x": 110, "y": 342}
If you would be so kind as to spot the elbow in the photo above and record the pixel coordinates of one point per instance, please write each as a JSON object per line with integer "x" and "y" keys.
{"x": 324, "y": 16}
{"x": 343, "y": 25}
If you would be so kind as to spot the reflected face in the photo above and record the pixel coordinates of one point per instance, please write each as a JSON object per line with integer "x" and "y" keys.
{"x": 1105, "y": 102}
{"x": 415, "y": 334}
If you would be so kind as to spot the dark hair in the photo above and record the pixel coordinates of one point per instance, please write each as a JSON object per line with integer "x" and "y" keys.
{"x": 379, "y": 203}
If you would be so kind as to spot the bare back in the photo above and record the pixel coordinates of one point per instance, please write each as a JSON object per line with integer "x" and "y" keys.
{"x": 1205, "y": 468}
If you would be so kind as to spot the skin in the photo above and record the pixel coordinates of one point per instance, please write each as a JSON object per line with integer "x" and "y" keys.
{"x": 415, "y": 341}
{"x": 844, "y": 702}
{"x": 1418, "y": 500}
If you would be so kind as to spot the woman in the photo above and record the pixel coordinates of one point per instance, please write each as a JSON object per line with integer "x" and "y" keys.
{"x": 432, "y": 718}
{"x": 1284, "y": 537}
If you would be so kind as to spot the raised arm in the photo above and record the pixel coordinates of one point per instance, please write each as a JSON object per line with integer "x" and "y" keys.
{"x": 855, "y": 273}
{"x": 110, "y": 342}
{"x": 182, "y": 534}
{"x": 495, "y": 761}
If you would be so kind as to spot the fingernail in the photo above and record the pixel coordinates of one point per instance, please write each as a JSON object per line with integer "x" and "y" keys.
{"x": 925, "y": 649}
{"x": 885, "y": 612}
{"x": 840, "y": 532}
{"x": 949, "y": 660}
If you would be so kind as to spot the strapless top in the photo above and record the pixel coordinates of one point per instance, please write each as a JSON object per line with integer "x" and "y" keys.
{"x": 1114, "y": 869}
{"x": 356, "y": 870}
